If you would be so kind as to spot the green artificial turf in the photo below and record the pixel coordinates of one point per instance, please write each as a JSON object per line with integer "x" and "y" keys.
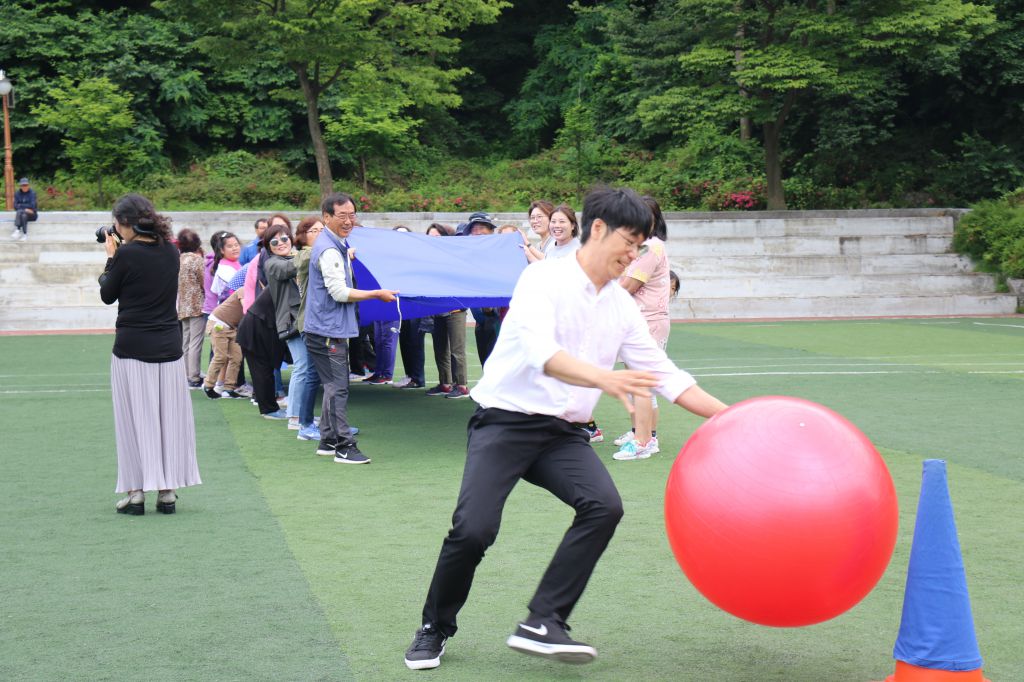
{"x": 284, "y": 565}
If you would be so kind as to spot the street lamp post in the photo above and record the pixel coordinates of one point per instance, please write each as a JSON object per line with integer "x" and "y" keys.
{"x": 5, "y": 89}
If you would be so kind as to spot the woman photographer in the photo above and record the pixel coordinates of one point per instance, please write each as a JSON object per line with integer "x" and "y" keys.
{"x": 153, "y": 425}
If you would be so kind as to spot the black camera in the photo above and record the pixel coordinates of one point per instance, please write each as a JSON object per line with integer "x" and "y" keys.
{"x": 102, "y": 232}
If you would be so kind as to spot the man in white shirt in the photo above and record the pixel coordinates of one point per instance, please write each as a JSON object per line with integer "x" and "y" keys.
{"x": 567, "y": 323}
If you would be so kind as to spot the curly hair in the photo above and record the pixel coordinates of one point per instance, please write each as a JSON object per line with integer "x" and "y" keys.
{"x": 137, "y": 212}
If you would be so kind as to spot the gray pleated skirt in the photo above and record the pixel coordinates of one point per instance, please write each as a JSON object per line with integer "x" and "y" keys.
{"x": 153, "y": 425}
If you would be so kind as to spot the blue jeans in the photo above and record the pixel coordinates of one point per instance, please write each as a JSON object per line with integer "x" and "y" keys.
{"x": 385, "y": 343}
{"x": 297, "y": 383}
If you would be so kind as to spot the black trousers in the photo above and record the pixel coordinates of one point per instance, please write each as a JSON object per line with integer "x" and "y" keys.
{"x": 22, "y": 218}
{"x": 486, "y": 333}
{"x": 330, "y": 358}
{"x": 548, "y": 452}
{"x": 261, "y": 368}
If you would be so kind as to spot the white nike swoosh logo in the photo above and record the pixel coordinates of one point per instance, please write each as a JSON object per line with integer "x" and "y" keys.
{"x": 540, "y": 632}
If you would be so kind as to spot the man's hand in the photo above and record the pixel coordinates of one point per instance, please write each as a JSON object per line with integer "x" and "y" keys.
{"x": 617, "y": 383}
{"x": 385, "y": 295}
{"x": 623, "y": 383}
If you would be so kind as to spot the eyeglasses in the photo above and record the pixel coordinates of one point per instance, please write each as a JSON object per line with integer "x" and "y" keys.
{"x": 641, "y": 249}
{"x": 345, "y": 216}
{"x": 283, "y": 239}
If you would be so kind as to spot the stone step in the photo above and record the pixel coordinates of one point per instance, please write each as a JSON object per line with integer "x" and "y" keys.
{"x": 75, "y": 225}
{"x": 835, "y": 286}
{"x": 20, "y": 295}
{"x": 691, "y": 267}
{"x": 808, "y": 246}
{"x": 44, "y": 274}
{"x": 848, "y": 306}
{"x": 732, "y": 266}
{"x": 724, "y": 227}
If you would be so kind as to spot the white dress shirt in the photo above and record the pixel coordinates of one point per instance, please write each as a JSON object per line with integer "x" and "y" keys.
{"x": 555, "y": 307}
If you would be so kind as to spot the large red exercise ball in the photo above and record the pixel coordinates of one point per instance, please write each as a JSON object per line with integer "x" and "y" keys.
{"x": 781, "y": 512}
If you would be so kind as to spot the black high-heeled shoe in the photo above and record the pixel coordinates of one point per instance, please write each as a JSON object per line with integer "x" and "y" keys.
{"x": 133, "y": 504}
{"x": 165, "y": 502}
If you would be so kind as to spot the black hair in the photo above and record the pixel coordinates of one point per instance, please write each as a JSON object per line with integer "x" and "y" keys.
{"x": 616, "y": 207}
{"x": 673, "y": 282}
{"x": 660, "y": 229}
{"x": 335, "y": 199}
{"x": 218, "y": 248}
{"x": 189, "y": 242}
{"x": 137, "y": 212}
{"x": 443, "y": 229}
{"x": 273, "y": 231}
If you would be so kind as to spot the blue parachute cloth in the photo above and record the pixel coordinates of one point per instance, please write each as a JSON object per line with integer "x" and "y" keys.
{"x": 937, "y": 627}
{"x": 434, "y": 274}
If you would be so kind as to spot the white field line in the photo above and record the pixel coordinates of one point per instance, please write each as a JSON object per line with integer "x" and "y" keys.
{"x": 993, "y": 324}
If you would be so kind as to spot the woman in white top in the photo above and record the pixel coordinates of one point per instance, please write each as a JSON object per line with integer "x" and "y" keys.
{"x": 565, "y": 231}
{"x": 539, "y": 215}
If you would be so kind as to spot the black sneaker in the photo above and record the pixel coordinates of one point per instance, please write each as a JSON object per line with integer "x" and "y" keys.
{"x": 211, "y": 393}
{"x": 548, "y": 638}
{"x": 426, "y": 649}
{"x": 350, "y": 455}
{"x": 327, "y": 448}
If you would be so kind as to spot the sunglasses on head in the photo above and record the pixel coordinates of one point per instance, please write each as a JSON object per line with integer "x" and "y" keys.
{"x": 283, "y": 239}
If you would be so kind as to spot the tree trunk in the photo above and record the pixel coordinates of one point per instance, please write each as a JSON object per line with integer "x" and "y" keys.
{"x": 741, "y": 32}
{"x": 312, "y": 95}
{"x": 773, "y": 167}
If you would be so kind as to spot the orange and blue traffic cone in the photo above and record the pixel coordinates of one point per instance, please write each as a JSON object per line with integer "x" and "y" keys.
{"x": 936, "y": 641}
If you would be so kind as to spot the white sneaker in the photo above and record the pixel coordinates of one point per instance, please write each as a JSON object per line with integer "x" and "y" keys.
{"x": 16, "y": 234}
{"x": 245, "y": 390}
{"x": 23, "y": 237}
{"x": 632, "y": 450}
{"x": 293, "y": 424}
{"x": 403, "y": 382}
{"x": 625, "y": 438}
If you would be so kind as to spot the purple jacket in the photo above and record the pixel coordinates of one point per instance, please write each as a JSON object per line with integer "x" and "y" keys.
{"x": 210, "y": 302}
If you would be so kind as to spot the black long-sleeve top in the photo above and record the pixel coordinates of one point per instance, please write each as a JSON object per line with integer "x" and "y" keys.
{"x": 143, "y": 279}
{"x": 25, "y": 200}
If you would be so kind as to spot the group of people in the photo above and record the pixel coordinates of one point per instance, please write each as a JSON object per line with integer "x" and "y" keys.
{"x": 574, "y": 313}
{"x": 250, "y": 300}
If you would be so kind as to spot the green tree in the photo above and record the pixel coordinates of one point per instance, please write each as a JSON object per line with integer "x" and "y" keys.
{"x": 97, "y": 127}
{"x": 372, "y": 121}
{"x": 760, "y": 59}
{"x": 328, "y": 44}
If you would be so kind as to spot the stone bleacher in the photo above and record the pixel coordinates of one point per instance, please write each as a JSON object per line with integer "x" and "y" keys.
{"x": 791, "y": 264}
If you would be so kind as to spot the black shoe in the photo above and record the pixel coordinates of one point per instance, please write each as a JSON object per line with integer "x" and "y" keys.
{"x": 548, "y": 638}
{"x": 211, "y": 393}
{"x": 133, "y": 504}
{"x": 350, "y": 454}
{"x": 165, "y": 502}
{"x": 426, "y": 649}
{"x": 327, "y": 448}
{"x": 231, "y": 394}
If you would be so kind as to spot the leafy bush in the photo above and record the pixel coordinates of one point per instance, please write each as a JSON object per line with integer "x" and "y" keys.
{"x": 993, "y": 234}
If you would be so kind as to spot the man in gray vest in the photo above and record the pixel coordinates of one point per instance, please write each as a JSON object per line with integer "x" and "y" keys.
{"x": 330, "y": 321}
